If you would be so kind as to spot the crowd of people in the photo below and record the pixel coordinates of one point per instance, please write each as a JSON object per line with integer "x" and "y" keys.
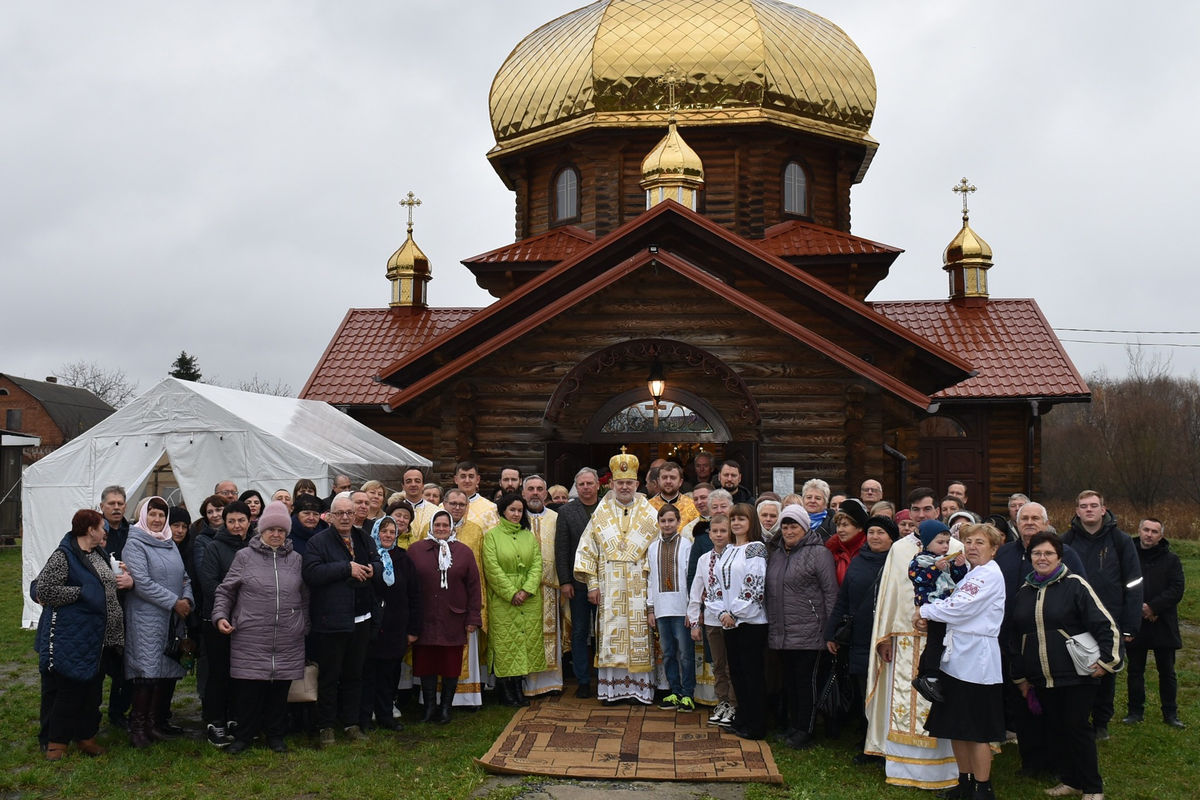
{"x": 940, "y": 632}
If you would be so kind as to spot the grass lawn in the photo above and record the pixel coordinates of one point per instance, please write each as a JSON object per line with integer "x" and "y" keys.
{"x": 1148, "y": 761}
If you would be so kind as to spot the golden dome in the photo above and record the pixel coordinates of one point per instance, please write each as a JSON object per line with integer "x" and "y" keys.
{"x": 408, "y": 260}
{"x": 967, "y": 247}
{"x": 742, "y": 61}
{"x": 672, "y": 157}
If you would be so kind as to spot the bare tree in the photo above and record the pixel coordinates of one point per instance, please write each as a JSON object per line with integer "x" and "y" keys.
{"x": 110, "y": 385}
{"x": 265, "y": 386}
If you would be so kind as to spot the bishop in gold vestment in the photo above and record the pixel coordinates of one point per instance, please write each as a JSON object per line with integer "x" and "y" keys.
{"x": 611, "y": 560}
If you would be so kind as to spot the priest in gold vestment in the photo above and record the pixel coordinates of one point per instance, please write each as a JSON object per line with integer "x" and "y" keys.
{"x": 611, "y": 560}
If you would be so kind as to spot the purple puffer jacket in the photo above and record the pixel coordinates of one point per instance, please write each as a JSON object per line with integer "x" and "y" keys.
{"x": 265, "y": 598}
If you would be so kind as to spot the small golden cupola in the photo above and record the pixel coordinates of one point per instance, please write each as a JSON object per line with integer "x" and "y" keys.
{"x": 408, "y": 268}
{"x": 672, "y": 170}
{"x": 967, "y": 258}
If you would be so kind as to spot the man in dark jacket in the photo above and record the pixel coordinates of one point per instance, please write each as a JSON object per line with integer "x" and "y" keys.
{"x": 112, "y": 507}
{"x": 572, "y": 519}
{"x": 1110, "y": 558}
{"x": 1162, "y": 590}
{"x": 338, "y": 565}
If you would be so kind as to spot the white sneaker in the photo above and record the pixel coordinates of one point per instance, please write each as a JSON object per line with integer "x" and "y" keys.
{"x": 727, "y": 717}
{"x": 718, "y": 713}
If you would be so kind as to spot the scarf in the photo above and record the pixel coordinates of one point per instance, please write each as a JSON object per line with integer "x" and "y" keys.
{"x": 816, "y": 518}
{"x": 165, "y": 534}
{"x": 769, "y": 533}
{"x": 389, "y": 572}
{"x": 668, "y": 566}
{"x": 445, "y": 559}
{"x": 1038, "y": 581}
{"x": 844, "y": 552}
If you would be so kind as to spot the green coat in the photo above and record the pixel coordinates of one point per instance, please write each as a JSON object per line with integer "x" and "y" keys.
{"x": 512, "y": 561}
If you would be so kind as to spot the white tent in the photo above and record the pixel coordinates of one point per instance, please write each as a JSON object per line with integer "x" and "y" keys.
{"x": 200, "y": 435}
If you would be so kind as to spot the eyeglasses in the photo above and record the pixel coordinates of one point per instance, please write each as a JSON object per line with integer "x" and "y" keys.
{"x": 455, "y": 505}
{"x": 341, "y": 513}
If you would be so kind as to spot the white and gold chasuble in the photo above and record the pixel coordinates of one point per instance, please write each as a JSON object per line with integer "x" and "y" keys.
{"x": 896, "y": 712}
{"x": 611, "y": 557}
{"x": 556, "y": 629}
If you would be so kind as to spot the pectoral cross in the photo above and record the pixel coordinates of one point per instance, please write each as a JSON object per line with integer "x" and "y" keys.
{"x": 964, "y": 188}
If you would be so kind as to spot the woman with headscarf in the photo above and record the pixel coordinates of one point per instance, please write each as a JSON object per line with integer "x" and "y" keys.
{"x": 398, "y": 604}
{"x": 853, "y": 615}
{"x": 81, "y": 618}
{"x": 451, "y": 608}
{"x": 850, "y": 524}
{"x": 768, "y": 517}
{"x": 512, "y": 565}
{"x": 154, "y": 612}
{"x": 218, "y": 695}
{"x": 801, "y": 589}
{"x": 261, "y": 607}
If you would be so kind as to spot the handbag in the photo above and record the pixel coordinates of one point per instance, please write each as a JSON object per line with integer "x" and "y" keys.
{"x": 304, "y": 690}
{"x": 843, "y": 631}
{"x": 180, "y": 648}
{"x": 1084, "y": 651}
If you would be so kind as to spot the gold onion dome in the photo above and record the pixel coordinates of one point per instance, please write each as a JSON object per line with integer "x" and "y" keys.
{"x": 408, "y": 259}
{"x": 967, "y": 247}
{"x": 744, "y": 61}
{"x": 672, "y": 157}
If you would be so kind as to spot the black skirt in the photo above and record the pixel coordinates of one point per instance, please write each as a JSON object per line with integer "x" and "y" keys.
{"x": 972, "y": 712}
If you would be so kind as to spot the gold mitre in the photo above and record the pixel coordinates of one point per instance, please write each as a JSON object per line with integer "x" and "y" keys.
{"x": 623, "y": 466}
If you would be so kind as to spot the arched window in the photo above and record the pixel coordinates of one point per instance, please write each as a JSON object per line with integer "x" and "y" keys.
{"x": 566, "y": 195}
{"x": 795, "y": 189}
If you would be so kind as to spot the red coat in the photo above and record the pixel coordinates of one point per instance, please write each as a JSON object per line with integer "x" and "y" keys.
{"x": 446, "y": 613}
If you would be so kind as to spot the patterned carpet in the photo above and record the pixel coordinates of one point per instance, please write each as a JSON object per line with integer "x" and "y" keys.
{"x": 565, "y": 737}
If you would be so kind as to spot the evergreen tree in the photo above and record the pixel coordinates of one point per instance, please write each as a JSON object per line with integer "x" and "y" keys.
{"x": 186, "y": 368}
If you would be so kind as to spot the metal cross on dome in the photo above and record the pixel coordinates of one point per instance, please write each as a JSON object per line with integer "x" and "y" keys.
{"x": 964, "y": 188}
{"x": 671, "y": 78}
{"x": 411, "y": 201}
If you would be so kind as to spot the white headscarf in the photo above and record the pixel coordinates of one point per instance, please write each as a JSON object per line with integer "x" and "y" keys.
{"x": 143, "y": 523}
{"x": 445, "y": 559}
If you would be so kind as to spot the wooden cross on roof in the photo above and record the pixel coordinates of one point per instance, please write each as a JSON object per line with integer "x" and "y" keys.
{"x": 964, "y": 188}
{"x": 411, "y": 201}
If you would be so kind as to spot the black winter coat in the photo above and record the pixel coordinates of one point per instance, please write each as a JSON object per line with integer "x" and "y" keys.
{"x": 400, "y": 607}
{"x": 1033, "y": 640}
{"x": 336, "y": 598}
{"x": 1113, "y": 569}
{"x": 1163, "y": 585}
{"x": 1015, "y": 566}
{"x": 856, "y": 599}
{"x": 218, "y": 557}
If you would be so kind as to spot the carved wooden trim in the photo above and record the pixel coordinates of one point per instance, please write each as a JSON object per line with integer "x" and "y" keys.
{"x": 665, "y": 350}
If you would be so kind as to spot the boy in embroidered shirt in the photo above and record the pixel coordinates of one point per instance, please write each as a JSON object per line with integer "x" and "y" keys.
{"x": 933, "y": 577}
{"x": 666, "y": 608}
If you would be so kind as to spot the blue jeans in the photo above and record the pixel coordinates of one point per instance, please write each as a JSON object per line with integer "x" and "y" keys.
{"x": 582, "y": 614}
{"x": 679, "y": 655}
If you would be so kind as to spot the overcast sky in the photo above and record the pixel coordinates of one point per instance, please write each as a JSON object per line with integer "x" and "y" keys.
{"x": 223, "y": 177}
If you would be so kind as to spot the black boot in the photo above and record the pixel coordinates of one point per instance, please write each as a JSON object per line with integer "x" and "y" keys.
{"x": 983, "y": 791}
{"x": 518, "y": 690}
{"x": 429, "y": 698}
{"x": 141, "y": 714}
{"x": 965, "y": 789}
{"x": 160, "y": 703}
{"x": 449, "y": 685}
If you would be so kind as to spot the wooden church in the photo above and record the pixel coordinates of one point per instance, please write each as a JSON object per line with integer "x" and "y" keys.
{"x": 681, "y": 174}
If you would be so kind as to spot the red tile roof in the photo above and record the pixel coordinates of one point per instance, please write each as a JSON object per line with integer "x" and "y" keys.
{"x": 804, "y": 239}
{"x": 1009, "y": 342}
{"x": 367, "y": 340}
{"x": 550, "y": 247}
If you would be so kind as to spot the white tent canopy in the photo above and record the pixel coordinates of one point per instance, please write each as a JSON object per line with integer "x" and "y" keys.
{"x": 203, "y": 434}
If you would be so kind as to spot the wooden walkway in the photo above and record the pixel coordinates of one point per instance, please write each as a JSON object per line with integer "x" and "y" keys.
{"x": 569, "y": 738}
